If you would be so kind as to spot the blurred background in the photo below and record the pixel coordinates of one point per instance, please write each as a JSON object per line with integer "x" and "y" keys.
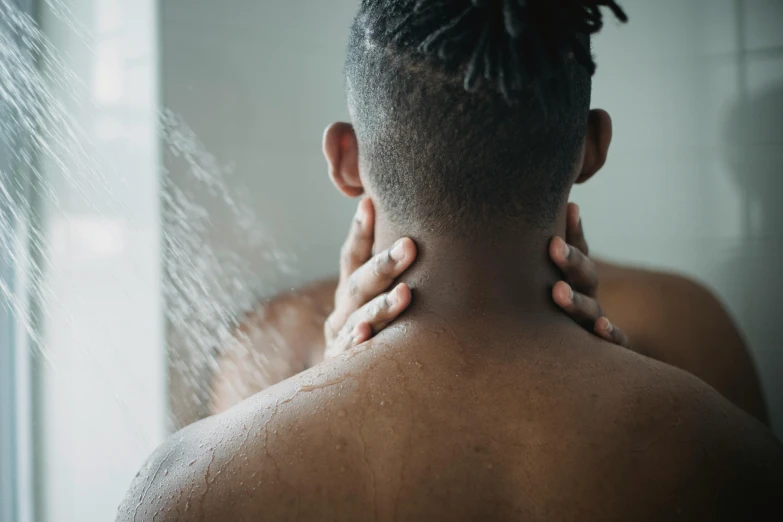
{"x": 160, "y": 173}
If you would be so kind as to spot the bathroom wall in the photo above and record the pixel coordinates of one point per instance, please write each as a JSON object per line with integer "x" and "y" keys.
{"x": 693, "y": 181}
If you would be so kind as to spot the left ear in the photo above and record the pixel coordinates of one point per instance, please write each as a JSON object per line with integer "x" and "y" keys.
{"x": 341, "y": 150}
{"x": 597, "y": 141}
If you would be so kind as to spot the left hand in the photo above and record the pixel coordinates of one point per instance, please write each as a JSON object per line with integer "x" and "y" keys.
{"x": 577, "y": 295}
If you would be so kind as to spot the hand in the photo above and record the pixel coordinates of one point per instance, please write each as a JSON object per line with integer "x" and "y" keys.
{"x": 577, "y": 295}
{"x": 362, "y": 308}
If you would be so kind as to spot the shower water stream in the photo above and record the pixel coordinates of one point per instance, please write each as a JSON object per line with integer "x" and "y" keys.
{"x": 205, "y": 290}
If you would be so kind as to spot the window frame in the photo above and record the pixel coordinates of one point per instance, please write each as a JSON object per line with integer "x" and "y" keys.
{"x": 17, "y": 406}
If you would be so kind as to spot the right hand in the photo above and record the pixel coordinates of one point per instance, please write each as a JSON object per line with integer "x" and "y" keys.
{"x": 362, "y": 305}
{"x": 577, "y": 294}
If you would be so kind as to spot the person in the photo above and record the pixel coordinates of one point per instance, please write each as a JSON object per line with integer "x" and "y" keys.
{"x": 483, "y": 401}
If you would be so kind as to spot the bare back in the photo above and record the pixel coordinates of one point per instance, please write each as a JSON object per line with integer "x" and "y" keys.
{"x": 490, "y": 422}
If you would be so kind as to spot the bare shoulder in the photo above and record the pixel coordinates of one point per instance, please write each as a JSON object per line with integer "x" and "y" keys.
{"x": 679, "y": 321}
{"x": 278, "y": 339}
{"x": 740, "y": 457}
{"x": 287, "y": 452}
{"x": 661, "y": 291}
{"x": 689, "y": 442}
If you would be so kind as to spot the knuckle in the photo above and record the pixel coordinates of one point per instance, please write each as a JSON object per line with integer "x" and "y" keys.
{"x": 579, "y": 260}
{"x": 379, "y": 265}
{"x": 377, "y": 307}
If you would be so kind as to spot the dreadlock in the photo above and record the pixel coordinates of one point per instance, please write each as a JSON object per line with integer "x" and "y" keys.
{"x": 480, "y": 105}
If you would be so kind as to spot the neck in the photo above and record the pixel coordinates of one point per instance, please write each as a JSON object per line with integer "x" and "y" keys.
{"x": 506, "y": 273}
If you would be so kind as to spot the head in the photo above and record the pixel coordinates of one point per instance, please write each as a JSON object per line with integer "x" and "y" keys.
{"x": 469, "y": 115}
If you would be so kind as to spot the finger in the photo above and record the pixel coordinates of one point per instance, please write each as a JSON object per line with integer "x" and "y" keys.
{"x": 578, "y": 269}
{"x": 583, "y": 309}
{"x": 362, "y": 333}
{"x": 375, "y": 276}
{"x": 575, "y": 234}
{"x": 382, "y": 310}
{"x": 348, "y": 339}
{"x": 606, "y": 330}
{"x": 357, "y": 248}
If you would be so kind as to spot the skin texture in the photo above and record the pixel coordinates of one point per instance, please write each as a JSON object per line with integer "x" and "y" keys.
{"x": 668, "y": 318}
{"x": 439, "y": 420}
{"x": 484, "y": 401}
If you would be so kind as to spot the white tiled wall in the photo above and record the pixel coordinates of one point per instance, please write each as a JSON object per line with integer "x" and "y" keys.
{"x": 103, "y": 378}
{"x": 258, "y": 81}
{"x": 695, "y": 170}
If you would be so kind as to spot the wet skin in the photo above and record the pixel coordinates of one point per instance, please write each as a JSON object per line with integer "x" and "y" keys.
{"x": 667, "y": 317}
{"x": 483, "y": 419}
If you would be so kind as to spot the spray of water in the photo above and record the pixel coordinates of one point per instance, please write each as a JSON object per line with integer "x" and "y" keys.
{"x": 206, "y": 290}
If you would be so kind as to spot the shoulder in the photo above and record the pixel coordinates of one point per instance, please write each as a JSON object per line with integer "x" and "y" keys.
{"x": 664, "y": 313}
{"x": 658, "y": 291}
{"x": 294, "y": 316}
{"x": 280, "y": 338}
{"x": 273, "y": 456}
{"x": 740, "y": 458}
{"x": 184, "y": 479}
{"x": 683, "y": 440}
{"x": 679, "y": 321}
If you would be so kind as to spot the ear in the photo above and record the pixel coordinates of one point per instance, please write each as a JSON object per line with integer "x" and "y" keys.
{"x": 341, "y": 150}
{"x": 597, "y": 141}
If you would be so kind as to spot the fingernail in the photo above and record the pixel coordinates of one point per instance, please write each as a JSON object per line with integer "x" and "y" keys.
{"x": 570, "y": 293}
{"x": 356, "y": 335}
{"x": 564, "y": 249}
{"x": 607, "y": 325}
{"x": 392, "y": 297}
{"x": 398, "y": 251}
